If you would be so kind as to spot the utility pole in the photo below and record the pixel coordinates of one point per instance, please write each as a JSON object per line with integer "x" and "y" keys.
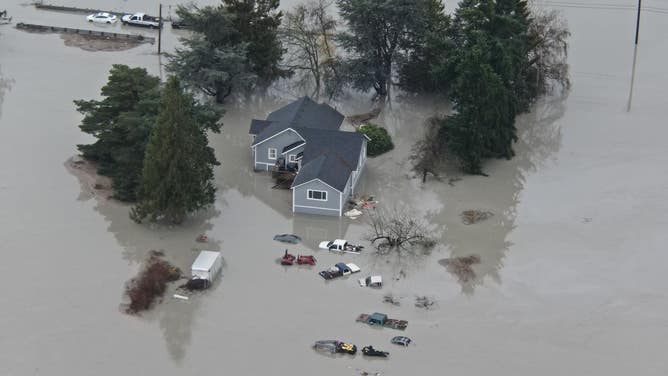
{"x": 635, "y": 57}
{"x": 160, "y": 28}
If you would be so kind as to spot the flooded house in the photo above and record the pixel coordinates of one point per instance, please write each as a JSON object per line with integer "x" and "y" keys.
{"x": 303, "y": 138}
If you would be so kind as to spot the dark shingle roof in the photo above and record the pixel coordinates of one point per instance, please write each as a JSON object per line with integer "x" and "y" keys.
{"x": 292, "y": 146}
{"x": 302, "y": 113}
{"x": 258, "y": 126}
{"x": 329, "y": 156}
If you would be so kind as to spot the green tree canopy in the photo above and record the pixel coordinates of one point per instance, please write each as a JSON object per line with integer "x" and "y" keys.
{"x": 380, "y": 141}
{"x": 235, "y": 46}
{"x": 379, "y": 35}
{"x": 177, "y": 178}
{"x": 121, "y": 123}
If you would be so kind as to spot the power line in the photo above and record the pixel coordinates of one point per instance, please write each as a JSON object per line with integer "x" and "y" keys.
{"x": 604, "y": 6}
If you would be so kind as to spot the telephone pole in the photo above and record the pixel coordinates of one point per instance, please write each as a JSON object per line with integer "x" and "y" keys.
{"x": 160, "y": 28}
{"x": 635, "y": 57}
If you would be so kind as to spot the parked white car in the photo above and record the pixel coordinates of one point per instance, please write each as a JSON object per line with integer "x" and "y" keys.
{"x": 102, "y": 17}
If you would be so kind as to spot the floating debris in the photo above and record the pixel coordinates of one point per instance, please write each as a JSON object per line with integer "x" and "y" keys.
{"x": 424, "y": 302}
{"x": 391, "y": 300}
{"x": 202, "y": 238}
{"x": 470, "y": 217}
{"x": 461, "y": 267}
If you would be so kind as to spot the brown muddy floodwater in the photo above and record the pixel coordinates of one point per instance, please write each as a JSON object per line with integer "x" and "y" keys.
{"x": 571, "y": 278}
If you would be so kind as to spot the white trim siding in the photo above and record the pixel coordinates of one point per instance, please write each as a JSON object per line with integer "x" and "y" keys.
{"x": 340, "y": 203}
{"x": 292, "y": 158}
{"x": 281, "y": 132}
{"x": 309, "y": 193}
{"x": 315, "y": 207}
{"x": 295, "y": 186}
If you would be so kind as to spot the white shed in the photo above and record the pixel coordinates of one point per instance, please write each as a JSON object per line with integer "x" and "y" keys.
{"x": 207, "y": 265}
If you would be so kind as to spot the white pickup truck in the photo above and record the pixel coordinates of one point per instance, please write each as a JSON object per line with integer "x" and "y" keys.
{"x": 340, "y": 245}
{"x": 141, "y": 19}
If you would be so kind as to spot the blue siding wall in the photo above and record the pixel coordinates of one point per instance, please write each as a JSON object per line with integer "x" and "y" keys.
{"x": 302, "y": 204}
{"x": 262, "y": 161}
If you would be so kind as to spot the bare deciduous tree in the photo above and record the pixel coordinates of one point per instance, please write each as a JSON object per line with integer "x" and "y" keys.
{"x": 428, "y": 153}
{"x": 307, "y": 33}
{"x": 549, "y": 33}
{"x": 396, "y": 230}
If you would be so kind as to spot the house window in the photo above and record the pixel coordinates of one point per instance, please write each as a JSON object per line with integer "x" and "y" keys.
{"x": 272, "y": 152}
{"x": 316, "y": 195}
{"x": 292, "y": 158}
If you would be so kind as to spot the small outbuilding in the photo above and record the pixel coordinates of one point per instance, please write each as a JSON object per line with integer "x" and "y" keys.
{"x": 207, "y": 265}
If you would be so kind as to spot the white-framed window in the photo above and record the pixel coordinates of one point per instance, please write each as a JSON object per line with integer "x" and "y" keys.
{"x": 316, "y": 195}
{"x": 292, "y": 158}
{"x": 271, "y": 153}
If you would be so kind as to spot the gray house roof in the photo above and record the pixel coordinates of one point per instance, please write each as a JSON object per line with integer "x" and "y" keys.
{"x": 329, "y": 154}
{"x": 258, "y": 126}
{"x": 302, "y": 113}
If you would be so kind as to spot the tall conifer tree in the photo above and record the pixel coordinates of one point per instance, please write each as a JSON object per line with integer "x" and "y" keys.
{"x": 177, "y": 178}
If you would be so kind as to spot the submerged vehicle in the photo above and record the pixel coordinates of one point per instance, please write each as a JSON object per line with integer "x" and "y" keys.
{"x": 335, "y": 347}
{"x": 371, "y": 281}
{"x": 306, "y": 260}
{"x": 401, "y": 341}
{"x": 340, "y": 245}
{"x": 338, "y": 270}
{"x": 370, "y": 351}
{"x": 4, "y": 19}
{"x": 288, "y": 258}
{"x": 381, "y": 319}
{"x": 287, "y": 238}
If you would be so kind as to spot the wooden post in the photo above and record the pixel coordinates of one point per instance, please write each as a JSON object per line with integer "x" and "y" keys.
{"x": 159, "y": 28}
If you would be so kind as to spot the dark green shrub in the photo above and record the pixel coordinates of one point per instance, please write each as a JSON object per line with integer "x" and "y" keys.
{"x": 380, "y": 143}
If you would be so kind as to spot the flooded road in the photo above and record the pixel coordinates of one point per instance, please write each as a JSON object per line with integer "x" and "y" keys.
{"x": 572, "y": 262}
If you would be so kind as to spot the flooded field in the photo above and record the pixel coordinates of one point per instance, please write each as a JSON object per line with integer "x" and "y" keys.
{"x": 571, "y": 263}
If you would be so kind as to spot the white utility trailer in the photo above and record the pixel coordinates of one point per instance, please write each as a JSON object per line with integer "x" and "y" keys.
{"x": 207, "y": 266}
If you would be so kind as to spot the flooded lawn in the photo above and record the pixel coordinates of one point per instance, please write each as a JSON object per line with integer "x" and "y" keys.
{"x": 570, "y": 268}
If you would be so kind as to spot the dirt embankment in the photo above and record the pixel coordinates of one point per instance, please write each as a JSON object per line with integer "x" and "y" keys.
{"x": 92, "y": 184}
{"x": 98, "y": 43}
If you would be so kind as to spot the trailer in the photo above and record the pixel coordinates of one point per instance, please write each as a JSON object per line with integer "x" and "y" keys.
{"x": 207, "y": 266}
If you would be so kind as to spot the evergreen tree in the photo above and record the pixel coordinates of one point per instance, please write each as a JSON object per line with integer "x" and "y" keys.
{"x": 121, "y": 123}
{"x": 235, "y": 47}
{"x": 486, "y": 68}
{"x": 177, "y": 178}
{"x": 430, "y": 49}
{"x": 257, "y": 23}
{"x": 379, "y": 35}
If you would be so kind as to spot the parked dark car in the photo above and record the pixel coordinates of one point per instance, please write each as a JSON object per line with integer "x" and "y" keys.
{"x": 370, "y": 351}
{"x": 288, "y": 238}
